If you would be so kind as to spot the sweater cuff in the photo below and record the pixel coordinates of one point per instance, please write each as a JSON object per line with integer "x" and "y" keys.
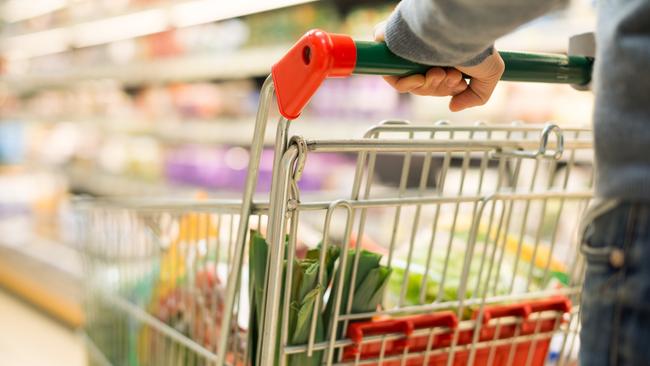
{"x": 401, "y": 40}
{"x": 479, "y": 58}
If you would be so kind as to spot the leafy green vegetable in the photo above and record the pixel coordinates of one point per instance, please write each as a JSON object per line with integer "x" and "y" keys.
{"x": 500, "y": 279}
{"x": 369, "y": 285}
{"x": 300, "y": 316}
{"x": 331, "y": 256}
{"x": 258, "y": 254}
{"x": 370, "y": 291}
{"x": 305, "y": 293}
{"x": 257, "y": 267}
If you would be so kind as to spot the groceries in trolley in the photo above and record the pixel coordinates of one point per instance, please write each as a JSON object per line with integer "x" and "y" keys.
{"x": 361, "y": 286}
{"x": 322, "y": 291}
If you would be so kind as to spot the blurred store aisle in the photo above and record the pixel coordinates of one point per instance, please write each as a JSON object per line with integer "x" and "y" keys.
{"x": 27, "y": 337}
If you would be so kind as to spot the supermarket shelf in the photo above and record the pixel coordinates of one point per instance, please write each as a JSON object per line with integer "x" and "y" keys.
{"x": 240, "y": 132}
{"x": 237, "y": 64}
{"x": 100, "y": 183}
{"x": 46, "y": 274}
{"x": 125, "y": 187}
{"x": 15, "y": 10}
{"x": 134, "y": 23}
{"x": 227, "y": 131}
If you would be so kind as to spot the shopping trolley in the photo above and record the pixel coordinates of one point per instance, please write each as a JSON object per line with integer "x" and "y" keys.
{"x": 469, "y": 257}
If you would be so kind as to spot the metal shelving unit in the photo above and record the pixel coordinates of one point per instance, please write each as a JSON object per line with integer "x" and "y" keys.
{"x": 130, "y": 23}
{"x": 186, "y": 68}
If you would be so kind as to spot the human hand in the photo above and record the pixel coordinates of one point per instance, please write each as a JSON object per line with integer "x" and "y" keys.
{"x": 448, "y": 81}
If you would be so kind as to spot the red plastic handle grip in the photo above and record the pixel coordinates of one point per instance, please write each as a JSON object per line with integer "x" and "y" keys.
{"x": 502, "y": 311}
{"x": 440, "y": 319}
{"x": 357, "y": 331}
{"x": 443, "y": 319}
{"x": 301, "y": 71}
{"x": 560, "y": 304}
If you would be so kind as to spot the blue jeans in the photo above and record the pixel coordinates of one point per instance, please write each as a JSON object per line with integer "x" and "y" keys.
{"x": 615, "y": 304}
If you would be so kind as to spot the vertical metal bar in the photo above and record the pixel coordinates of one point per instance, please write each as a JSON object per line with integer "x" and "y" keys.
{"x": 426, "y": 165}
{"x": 579, "y": 263}
{"x": 348, "y": 229}
{"x": 462, "y": 288}
{"x": 427, "y": 351}
{"x": 317, "y": 304}
{"x": 575, "y": 335}
{"x": 406, "y": 168}
{"x": 424, "y": 176}
{"x": 382, "y": 351}
{"x": 522, "y": 228}
{"x": 276, "y": 232}
{"x": 479, "y": 318}
{"x": 215, "y": 294}
{"x": 217, "y": 249}
{"x": 538, "y": 232}
{"x": 488, "y": 232}
{"x": 355, "y": 194}
{"x": 281, "y": 142}
{"x": 288, "y": 285}
{"x": 404, "y": 357}
{"x": 497, "y": 236}
{"x": 572, "y": 318}
{"x": 257, "y": 143}
{"x": 452, "y": 230}
{"x": 230, "y": 247}
{"x": 486, "y": 242}
{"x": 510, "y": 208}
{"x": 513, "y": 345}
{"x": 192, "y": 220}
{"x": 340, "y": 278}
{"x": 569, "y": 167}
{"x": 434, "y": 225}
{"x": 173, "y": 354}
{"x": 493, "y": 347}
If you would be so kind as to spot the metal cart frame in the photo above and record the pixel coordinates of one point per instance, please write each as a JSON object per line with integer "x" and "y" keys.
{"x": 478, "y": 148}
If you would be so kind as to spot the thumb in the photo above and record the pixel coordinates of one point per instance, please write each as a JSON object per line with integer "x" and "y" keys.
{"x": 484, "y": 78}
{"x": 478, "y": 93}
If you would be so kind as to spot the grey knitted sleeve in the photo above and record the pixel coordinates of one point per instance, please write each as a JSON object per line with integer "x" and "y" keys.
{"x": 457, "y": 32}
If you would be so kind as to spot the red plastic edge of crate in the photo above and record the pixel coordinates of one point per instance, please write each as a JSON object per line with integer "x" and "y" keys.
{"x": 300, "y": 72}
{"x": 357, "y": 331}
{"x": 502, "y": 311}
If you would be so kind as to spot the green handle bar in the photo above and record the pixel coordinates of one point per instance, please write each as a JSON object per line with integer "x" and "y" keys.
{"x": 375, "y": 58}
{"x": 319, "y": 55}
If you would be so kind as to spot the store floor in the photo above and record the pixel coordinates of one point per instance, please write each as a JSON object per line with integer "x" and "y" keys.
{"x": 28, "y": 337}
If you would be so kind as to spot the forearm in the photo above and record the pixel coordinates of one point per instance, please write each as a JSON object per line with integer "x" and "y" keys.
{"x": 457, "y": 32}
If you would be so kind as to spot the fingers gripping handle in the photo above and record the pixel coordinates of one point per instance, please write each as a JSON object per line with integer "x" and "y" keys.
{"x": 319, "y": 55}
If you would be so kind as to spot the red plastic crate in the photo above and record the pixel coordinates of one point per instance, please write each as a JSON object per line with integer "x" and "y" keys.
{"x": 445, "y": 323}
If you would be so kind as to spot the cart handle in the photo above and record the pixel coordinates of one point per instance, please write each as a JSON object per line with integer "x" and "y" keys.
{"x": 319, "y": 55}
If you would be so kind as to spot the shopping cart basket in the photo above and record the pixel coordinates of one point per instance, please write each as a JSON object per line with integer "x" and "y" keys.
{"x": 468, "y": 258}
